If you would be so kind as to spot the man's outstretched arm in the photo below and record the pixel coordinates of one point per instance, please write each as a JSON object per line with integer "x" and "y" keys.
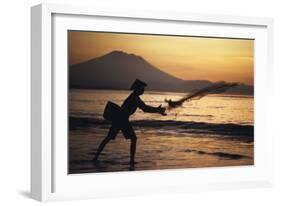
{"x": 150, "y": 109}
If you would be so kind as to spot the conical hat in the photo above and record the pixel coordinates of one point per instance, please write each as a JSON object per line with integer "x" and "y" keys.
{"x": 138, "y": 84}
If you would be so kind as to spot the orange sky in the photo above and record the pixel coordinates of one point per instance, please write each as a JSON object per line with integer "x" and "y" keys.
{"x": 189, "y": 58}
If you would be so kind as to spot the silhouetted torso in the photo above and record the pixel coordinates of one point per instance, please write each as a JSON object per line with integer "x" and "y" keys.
{"x": 133, "y": 102}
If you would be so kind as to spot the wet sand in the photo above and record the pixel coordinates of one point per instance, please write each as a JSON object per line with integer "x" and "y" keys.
{"x": 155, "y": 151}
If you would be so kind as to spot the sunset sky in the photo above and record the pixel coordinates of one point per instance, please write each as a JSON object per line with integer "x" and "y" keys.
{"x": 188, "y": 58}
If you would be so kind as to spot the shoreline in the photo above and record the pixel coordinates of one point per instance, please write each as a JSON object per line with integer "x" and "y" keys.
{"x": 234, "y": 131}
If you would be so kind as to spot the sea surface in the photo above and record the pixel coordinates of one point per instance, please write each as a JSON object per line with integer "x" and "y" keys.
{"x": 215, "y": 131}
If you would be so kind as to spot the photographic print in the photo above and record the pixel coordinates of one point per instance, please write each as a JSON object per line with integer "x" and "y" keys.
{"x": 148, "y": 102}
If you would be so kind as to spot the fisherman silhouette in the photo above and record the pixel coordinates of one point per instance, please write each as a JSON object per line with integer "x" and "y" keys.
{"x": 119, "y": 117}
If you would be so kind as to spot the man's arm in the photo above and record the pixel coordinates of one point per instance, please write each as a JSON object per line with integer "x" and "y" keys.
{"x": 150, "y": 109}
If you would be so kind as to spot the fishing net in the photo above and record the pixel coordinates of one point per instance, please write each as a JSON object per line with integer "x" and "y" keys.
{"x": 214, "y": 88}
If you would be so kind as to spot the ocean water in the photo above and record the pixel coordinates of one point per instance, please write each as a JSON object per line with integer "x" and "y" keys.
{"x": 215, "y": 131}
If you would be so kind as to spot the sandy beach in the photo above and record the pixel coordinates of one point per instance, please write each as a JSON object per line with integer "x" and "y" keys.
{"x": 155, "y": 151}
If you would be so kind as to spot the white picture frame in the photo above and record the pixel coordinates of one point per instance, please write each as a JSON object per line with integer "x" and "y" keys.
{"x": 49, "y": 178}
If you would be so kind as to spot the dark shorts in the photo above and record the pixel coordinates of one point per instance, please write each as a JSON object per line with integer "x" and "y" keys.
{"x": 125, "y": 127}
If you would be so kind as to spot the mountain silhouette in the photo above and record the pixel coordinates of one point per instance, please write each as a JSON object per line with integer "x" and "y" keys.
{"x": 117, "y": 70}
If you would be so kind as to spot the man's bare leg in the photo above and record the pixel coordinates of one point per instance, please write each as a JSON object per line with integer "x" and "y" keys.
{"x": 101, "y": 147}
{"x": 112, "y": 133}
{"x": 133, "y": 151}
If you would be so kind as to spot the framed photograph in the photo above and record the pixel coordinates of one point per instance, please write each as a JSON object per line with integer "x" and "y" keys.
{"x": 137, "y": 102}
